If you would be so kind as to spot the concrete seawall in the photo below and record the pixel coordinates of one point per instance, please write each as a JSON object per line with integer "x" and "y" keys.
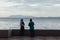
{"x": 16, "y": 32}
{"x": 3, "y": 33}
{"x": 38, "y": 32}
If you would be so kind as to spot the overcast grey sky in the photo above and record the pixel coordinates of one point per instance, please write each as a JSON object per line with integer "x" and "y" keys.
{"x": 39, "y": 8}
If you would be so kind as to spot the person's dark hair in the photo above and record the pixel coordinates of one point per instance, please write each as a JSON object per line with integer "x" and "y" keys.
{"x": 21, "y": 19}
{"x": 30, "y": 19}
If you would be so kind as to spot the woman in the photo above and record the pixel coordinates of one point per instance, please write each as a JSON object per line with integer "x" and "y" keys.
{"x": 22, "y": 24}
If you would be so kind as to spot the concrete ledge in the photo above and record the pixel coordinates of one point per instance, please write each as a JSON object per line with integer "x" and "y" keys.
{"x": 16, "y": 32}
{"x": 3, "y": 33}
{"x": 38, "y": 32}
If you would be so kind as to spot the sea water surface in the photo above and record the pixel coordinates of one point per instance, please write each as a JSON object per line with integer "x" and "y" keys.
{"x": 44, "y": 24}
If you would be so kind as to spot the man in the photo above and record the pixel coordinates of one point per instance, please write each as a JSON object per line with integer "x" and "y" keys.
{"x": 22, "y": 24}
{"x": 31, "y": 25}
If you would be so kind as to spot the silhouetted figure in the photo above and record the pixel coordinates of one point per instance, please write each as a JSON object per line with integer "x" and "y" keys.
{"x": 22, "y": 24}
{"x": 31, "y": 25}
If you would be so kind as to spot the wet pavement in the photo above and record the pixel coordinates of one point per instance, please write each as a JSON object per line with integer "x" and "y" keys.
{"x": 32, "y": 38}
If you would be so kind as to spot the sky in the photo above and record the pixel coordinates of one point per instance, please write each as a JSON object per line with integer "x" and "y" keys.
{"x": 37, "y": 8}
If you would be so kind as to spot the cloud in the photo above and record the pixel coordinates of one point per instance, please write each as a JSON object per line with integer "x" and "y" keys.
{"x": 30, "y": 7}
{"x": 56, "y": 5}
{"x": 8, "y": 13}
{"x": 35, "y": 1}
{"x": 33, "y": 5}
{"x": 6, "y": 4}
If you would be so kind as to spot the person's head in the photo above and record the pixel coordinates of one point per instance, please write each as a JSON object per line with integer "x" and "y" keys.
{"x": 30, "y": 19}
{"x": 21, "y": 20}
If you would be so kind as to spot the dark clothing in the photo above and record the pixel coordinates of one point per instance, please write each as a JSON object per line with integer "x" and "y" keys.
{"x": 21, "y": 32}
{"x": 22, "y": 28}
{"x": 22, "y": 25}
{"x": 31, "y": 25}
{"x": 32, "y": 33}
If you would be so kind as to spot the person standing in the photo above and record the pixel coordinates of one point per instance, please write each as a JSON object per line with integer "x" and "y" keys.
{"x": 31, "y": 25}
{"x": 22, "y": 24}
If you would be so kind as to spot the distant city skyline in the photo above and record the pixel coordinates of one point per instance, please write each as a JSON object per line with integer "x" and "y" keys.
{"x": 38, "y": 8}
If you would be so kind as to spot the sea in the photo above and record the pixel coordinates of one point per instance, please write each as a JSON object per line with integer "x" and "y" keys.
{"x": 39, "y": 23}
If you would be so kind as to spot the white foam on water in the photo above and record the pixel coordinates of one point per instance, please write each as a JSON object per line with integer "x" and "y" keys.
{"x": 39, "y": 24}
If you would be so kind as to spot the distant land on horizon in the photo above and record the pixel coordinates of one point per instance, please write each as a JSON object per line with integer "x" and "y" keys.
{"x": 18, "y": 16}
{"x": 21, "y": 16}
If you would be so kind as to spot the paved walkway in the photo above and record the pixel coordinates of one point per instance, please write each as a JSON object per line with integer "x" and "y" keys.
{"x": 30, "y": 38}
